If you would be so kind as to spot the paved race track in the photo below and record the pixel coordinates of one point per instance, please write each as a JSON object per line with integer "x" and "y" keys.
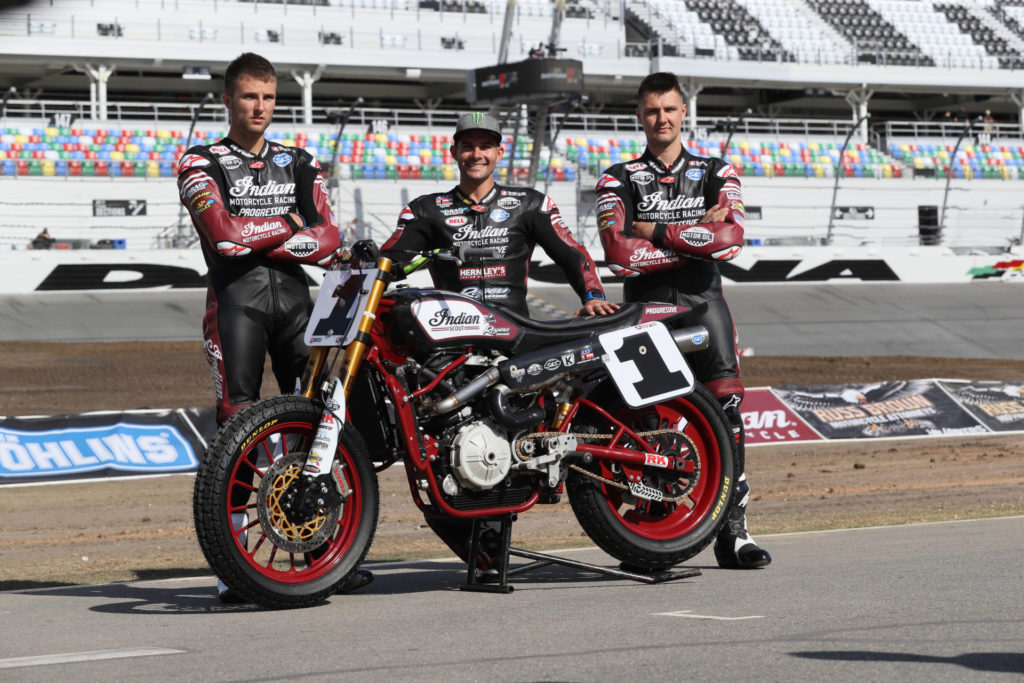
{"x": 937, "y": 602}
{"x": 933, "y": 602}
{"x": 976, "y": 320}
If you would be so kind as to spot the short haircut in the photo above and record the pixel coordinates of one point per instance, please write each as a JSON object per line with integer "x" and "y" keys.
{"x": 658, "y": 83}
{"x": 248, "y": 64}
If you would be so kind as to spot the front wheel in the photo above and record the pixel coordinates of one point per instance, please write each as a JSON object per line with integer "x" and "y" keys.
{"x": 677, "y": 514}
{"x": 250, "y": 527}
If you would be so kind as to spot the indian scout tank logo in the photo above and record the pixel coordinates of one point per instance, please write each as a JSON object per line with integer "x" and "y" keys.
{"x": 453, "y": 318}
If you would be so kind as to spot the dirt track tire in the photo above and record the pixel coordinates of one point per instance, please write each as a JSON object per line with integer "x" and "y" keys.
{"x": 650, "y": 535}
{"x": 227, "y": 484}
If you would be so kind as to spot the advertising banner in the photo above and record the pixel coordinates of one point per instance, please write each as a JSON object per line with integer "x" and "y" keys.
{"x": 997, "y": 405}
{"x": 881, "y": 409}
{"x": 100, "y": 444}
{"x": 768, "y": 420}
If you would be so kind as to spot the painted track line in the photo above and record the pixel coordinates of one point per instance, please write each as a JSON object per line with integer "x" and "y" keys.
{"x": 93, "y": 656}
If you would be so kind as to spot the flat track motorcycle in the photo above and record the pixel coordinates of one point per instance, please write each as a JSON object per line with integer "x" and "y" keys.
{"x": 490, "y": 412}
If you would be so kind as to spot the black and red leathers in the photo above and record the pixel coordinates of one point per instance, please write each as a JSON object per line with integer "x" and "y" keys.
{"x": 678, "y": 264}
{"x": 510, "y": 220}
{"x": 258, "y": 297}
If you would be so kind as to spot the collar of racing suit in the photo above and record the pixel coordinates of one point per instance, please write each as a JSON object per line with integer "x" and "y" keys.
{"x": 677, "y": 166}
{"x": 488, "y": 198}
{"x": 238, "y": 149}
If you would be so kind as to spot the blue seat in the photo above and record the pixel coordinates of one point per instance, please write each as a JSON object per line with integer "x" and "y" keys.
{"x": 166, "y": 169}
{"x": 8, "y": 167}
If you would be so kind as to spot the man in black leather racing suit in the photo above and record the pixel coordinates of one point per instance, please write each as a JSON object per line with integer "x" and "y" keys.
{"x": 261, "y": 211}
{"x": 510, "y": 220}
{"x": 665, "y": 220}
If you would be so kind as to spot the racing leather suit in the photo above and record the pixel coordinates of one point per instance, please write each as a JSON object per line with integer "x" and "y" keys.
{"x": 257, "y": 291}
{"x": 511, "y": 220}
{"x": 678, "y": 264}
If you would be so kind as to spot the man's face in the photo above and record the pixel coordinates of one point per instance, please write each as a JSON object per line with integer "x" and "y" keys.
{"x": 661, "y": 115}
{"x": 477, "y": 153}
{"x": 251, "y": 104}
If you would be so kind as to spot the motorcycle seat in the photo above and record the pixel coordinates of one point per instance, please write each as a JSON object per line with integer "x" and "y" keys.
{"x": 538, "y": 333}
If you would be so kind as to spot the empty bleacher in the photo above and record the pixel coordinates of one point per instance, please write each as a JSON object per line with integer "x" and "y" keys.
{"x": 800, "y": 32}
{"x": 982, "y": 34}
{"x": 874, "y": 38}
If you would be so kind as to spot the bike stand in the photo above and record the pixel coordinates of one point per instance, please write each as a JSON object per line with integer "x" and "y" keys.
{"x": 473, "y": 582}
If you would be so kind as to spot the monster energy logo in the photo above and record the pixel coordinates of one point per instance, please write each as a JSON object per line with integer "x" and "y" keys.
{"x": 478, "y": 118}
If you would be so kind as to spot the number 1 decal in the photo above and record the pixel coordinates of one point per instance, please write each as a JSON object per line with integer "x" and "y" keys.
{"x": 645, "y": 364}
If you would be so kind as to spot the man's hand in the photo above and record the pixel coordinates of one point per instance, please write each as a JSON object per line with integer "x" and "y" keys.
{"x": 597, "y": 307}
{"x": 643, "y": 230}
{"x": 715, "y": 214}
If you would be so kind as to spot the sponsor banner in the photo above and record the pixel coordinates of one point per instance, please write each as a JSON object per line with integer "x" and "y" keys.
{"x": 84, "y": 270}
{"x": 767, "y": 420}
{"x": 118, "y": 207}
{"x": 102, "y": 444}
{"x": 997, "y": 405}
{"x": 882, "y": 409}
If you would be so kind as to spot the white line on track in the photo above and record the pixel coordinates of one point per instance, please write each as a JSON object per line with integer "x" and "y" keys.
{"x": 93, "y": 656}
{"x": 687, "y": 614}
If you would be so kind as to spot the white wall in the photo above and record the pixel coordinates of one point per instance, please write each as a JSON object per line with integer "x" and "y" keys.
{"x": 980, "y": 213}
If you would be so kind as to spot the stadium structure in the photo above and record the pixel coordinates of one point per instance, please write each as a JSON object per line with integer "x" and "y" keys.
{"x": 860, "y": 124}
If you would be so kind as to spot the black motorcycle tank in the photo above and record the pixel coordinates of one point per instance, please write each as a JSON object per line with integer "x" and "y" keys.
{"x": 430, "y": 319}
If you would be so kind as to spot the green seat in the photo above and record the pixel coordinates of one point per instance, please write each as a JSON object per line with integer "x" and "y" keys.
{"x": 391, "y": 172}
{"x": 357, "y": 171}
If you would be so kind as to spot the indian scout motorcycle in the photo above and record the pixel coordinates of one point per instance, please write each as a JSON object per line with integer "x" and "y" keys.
{"x": 491, "y": 412}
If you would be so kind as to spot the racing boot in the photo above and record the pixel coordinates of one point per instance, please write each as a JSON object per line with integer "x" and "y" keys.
{"x": 226, "y": 595}
{"x": 361, "y": 577}
{"x": 735, "y": 547}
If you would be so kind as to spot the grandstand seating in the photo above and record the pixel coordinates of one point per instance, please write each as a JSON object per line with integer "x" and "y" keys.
{"x": 731, "y": 20}
{"x": 982, "y": 35}
{"x": 1005, "y": 162}
{"x": 148, "y": 153}
{"x": 796, "y": 31}
{"x": 1010, "y": 13}
{"x": 934, "y": 34}
{"x": 873, "y": 36}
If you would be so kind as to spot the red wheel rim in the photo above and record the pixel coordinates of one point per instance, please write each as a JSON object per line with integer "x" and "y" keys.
{"x": 257, "y": 550}
{"x": 668, "y": 521}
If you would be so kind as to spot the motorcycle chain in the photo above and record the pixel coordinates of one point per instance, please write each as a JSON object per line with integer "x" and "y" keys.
{"x": 611, "y": 482}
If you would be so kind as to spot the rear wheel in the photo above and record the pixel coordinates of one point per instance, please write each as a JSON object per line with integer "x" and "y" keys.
{"x": 677, "y": 513}
{"x": 254, "y": 533}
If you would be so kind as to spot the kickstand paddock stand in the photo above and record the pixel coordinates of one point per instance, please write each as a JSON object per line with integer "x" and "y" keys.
{"x": 501, "y": 585}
